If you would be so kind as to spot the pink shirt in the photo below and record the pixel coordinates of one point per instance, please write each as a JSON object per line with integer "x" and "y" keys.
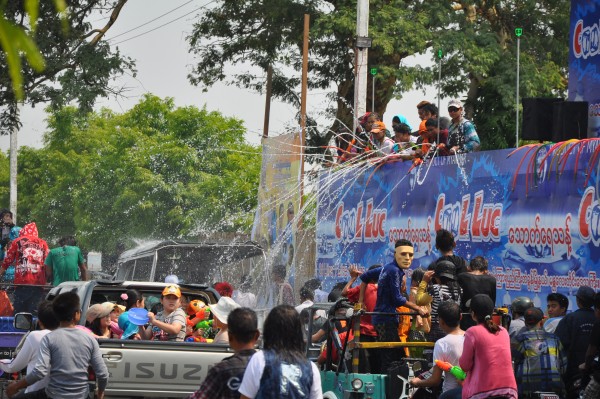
{"x": 487, "y": 361}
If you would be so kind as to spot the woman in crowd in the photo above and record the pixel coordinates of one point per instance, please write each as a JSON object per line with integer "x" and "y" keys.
{"x": 486, "y": 356}
{"x": 281, "y": 367}
{"x": 98, "y": 319}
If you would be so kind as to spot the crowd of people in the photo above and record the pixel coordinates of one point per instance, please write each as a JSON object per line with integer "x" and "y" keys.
{"x": 450, "y": 303}
{"x": 436, "y": 135}
{"x": 28, "y": 263}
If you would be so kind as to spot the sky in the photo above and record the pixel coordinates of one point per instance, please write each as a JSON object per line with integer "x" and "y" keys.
{"x": 163, "y": 62}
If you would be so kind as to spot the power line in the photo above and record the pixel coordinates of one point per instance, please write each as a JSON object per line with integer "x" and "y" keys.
{"x": 165, "y": 24}
{"x": 152, "y": 20}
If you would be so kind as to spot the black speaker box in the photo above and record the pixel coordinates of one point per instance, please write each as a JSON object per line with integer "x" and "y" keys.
{"x": 538, "y": 118}
{"x": 570, "y": 120}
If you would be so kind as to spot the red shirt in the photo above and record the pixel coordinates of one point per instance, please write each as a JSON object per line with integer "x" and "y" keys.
{"x": 366, "y": 326}
{"x": 29, "y": 251}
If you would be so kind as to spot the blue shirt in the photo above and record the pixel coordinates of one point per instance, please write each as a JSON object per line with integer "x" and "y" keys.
{"x": 389, "y": 280}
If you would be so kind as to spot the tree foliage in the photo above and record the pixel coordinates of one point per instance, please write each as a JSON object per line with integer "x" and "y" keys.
{"x": 154, "y": 172}
{"x": 476, "y": 37}
{"x": 78, "y": 64}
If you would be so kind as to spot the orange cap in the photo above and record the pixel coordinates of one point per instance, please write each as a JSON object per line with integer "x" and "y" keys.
{"x": 172, "y": 290}
{"x": 377, "y": 127}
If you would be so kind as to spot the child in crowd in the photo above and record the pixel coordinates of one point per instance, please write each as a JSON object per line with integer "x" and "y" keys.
{"x": 447, "y": 349}
{"x": 486, "y": 356}
{"x": 281, "y": 367}
{"x": 114, "y": 320}
{"x": 132, "y": 299}
{"x": 220, "y": 313}
{"x": 65, "y": 355}
{"x": 169, "y": 324}
{"x": 27, "y": 356}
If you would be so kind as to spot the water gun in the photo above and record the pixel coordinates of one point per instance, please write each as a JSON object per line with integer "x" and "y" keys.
{"x": 198, "y": 317}
{"x": 456, "y": 371}
{"x": 204, "y": 325}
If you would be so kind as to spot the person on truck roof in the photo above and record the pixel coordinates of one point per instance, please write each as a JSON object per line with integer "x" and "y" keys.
{"x": 65, "y": 263}
{"x": 29, "y": 251}
{"x": 168, "y": 324}
{"x": 224, "y": 378}
{"x": 65, "y": 355}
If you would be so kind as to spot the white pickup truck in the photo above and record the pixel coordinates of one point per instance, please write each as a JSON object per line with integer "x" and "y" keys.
{"x": 149, "y": 368}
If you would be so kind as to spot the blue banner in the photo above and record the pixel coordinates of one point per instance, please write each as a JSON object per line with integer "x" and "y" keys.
{"x": 533, "y": 213}
{"x": 584, "y": 59}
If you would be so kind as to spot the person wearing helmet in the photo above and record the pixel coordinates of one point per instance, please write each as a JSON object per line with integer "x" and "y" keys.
{"x": 518, "y": 307}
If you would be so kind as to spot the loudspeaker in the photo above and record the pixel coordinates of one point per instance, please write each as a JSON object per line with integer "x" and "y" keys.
{"x": 570, "y": 120}
{"x": 537, "y": 118}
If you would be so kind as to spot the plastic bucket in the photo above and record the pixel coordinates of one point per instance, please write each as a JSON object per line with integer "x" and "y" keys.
{"x": 138, "y": 316}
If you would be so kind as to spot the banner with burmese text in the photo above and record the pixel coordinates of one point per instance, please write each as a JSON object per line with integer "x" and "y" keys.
{"x": 534, "y": 214}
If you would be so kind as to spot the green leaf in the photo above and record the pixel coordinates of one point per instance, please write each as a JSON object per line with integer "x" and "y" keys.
{"x": 32, "y": 9}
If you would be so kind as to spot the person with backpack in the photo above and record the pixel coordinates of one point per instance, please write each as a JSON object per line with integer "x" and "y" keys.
{"x": 281, "y": 369}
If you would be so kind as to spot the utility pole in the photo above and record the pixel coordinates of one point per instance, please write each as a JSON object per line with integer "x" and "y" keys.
{"x": 13, "y": 166}
{"x": 363, "y": 42}
{"x": 268, "y": 101}
{"x": 303, "y": 96}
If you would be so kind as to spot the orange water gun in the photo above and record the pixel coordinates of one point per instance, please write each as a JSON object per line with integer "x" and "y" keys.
{"x": 456, "y": 371}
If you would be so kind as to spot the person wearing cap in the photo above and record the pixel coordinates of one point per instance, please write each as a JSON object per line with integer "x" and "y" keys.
{"x": 168, "y": 324}
{"x": 539, "y": 358}
{"x": 486, "y": 356}
{"x": 444, "y": 288}
{"x": 462, "y": 136}
{"x": 574, "y": 332}
{"x": 220, "y": 312}
{"x": 380, "y": 143}
{"x": 97, "y": 319}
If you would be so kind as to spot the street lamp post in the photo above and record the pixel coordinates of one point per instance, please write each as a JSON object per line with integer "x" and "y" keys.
{"x": 518, "y": 33}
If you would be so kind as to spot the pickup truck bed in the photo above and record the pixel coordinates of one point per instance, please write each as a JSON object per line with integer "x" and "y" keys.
{"x": 149, "y": 368}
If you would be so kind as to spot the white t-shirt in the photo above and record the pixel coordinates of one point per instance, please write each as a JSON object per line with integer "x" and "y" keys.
{"x": 516, "y": 326}
{"x": 449, "y": 349}
{"x": 253, "y": 374}
{"x": 27, "y": 356}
